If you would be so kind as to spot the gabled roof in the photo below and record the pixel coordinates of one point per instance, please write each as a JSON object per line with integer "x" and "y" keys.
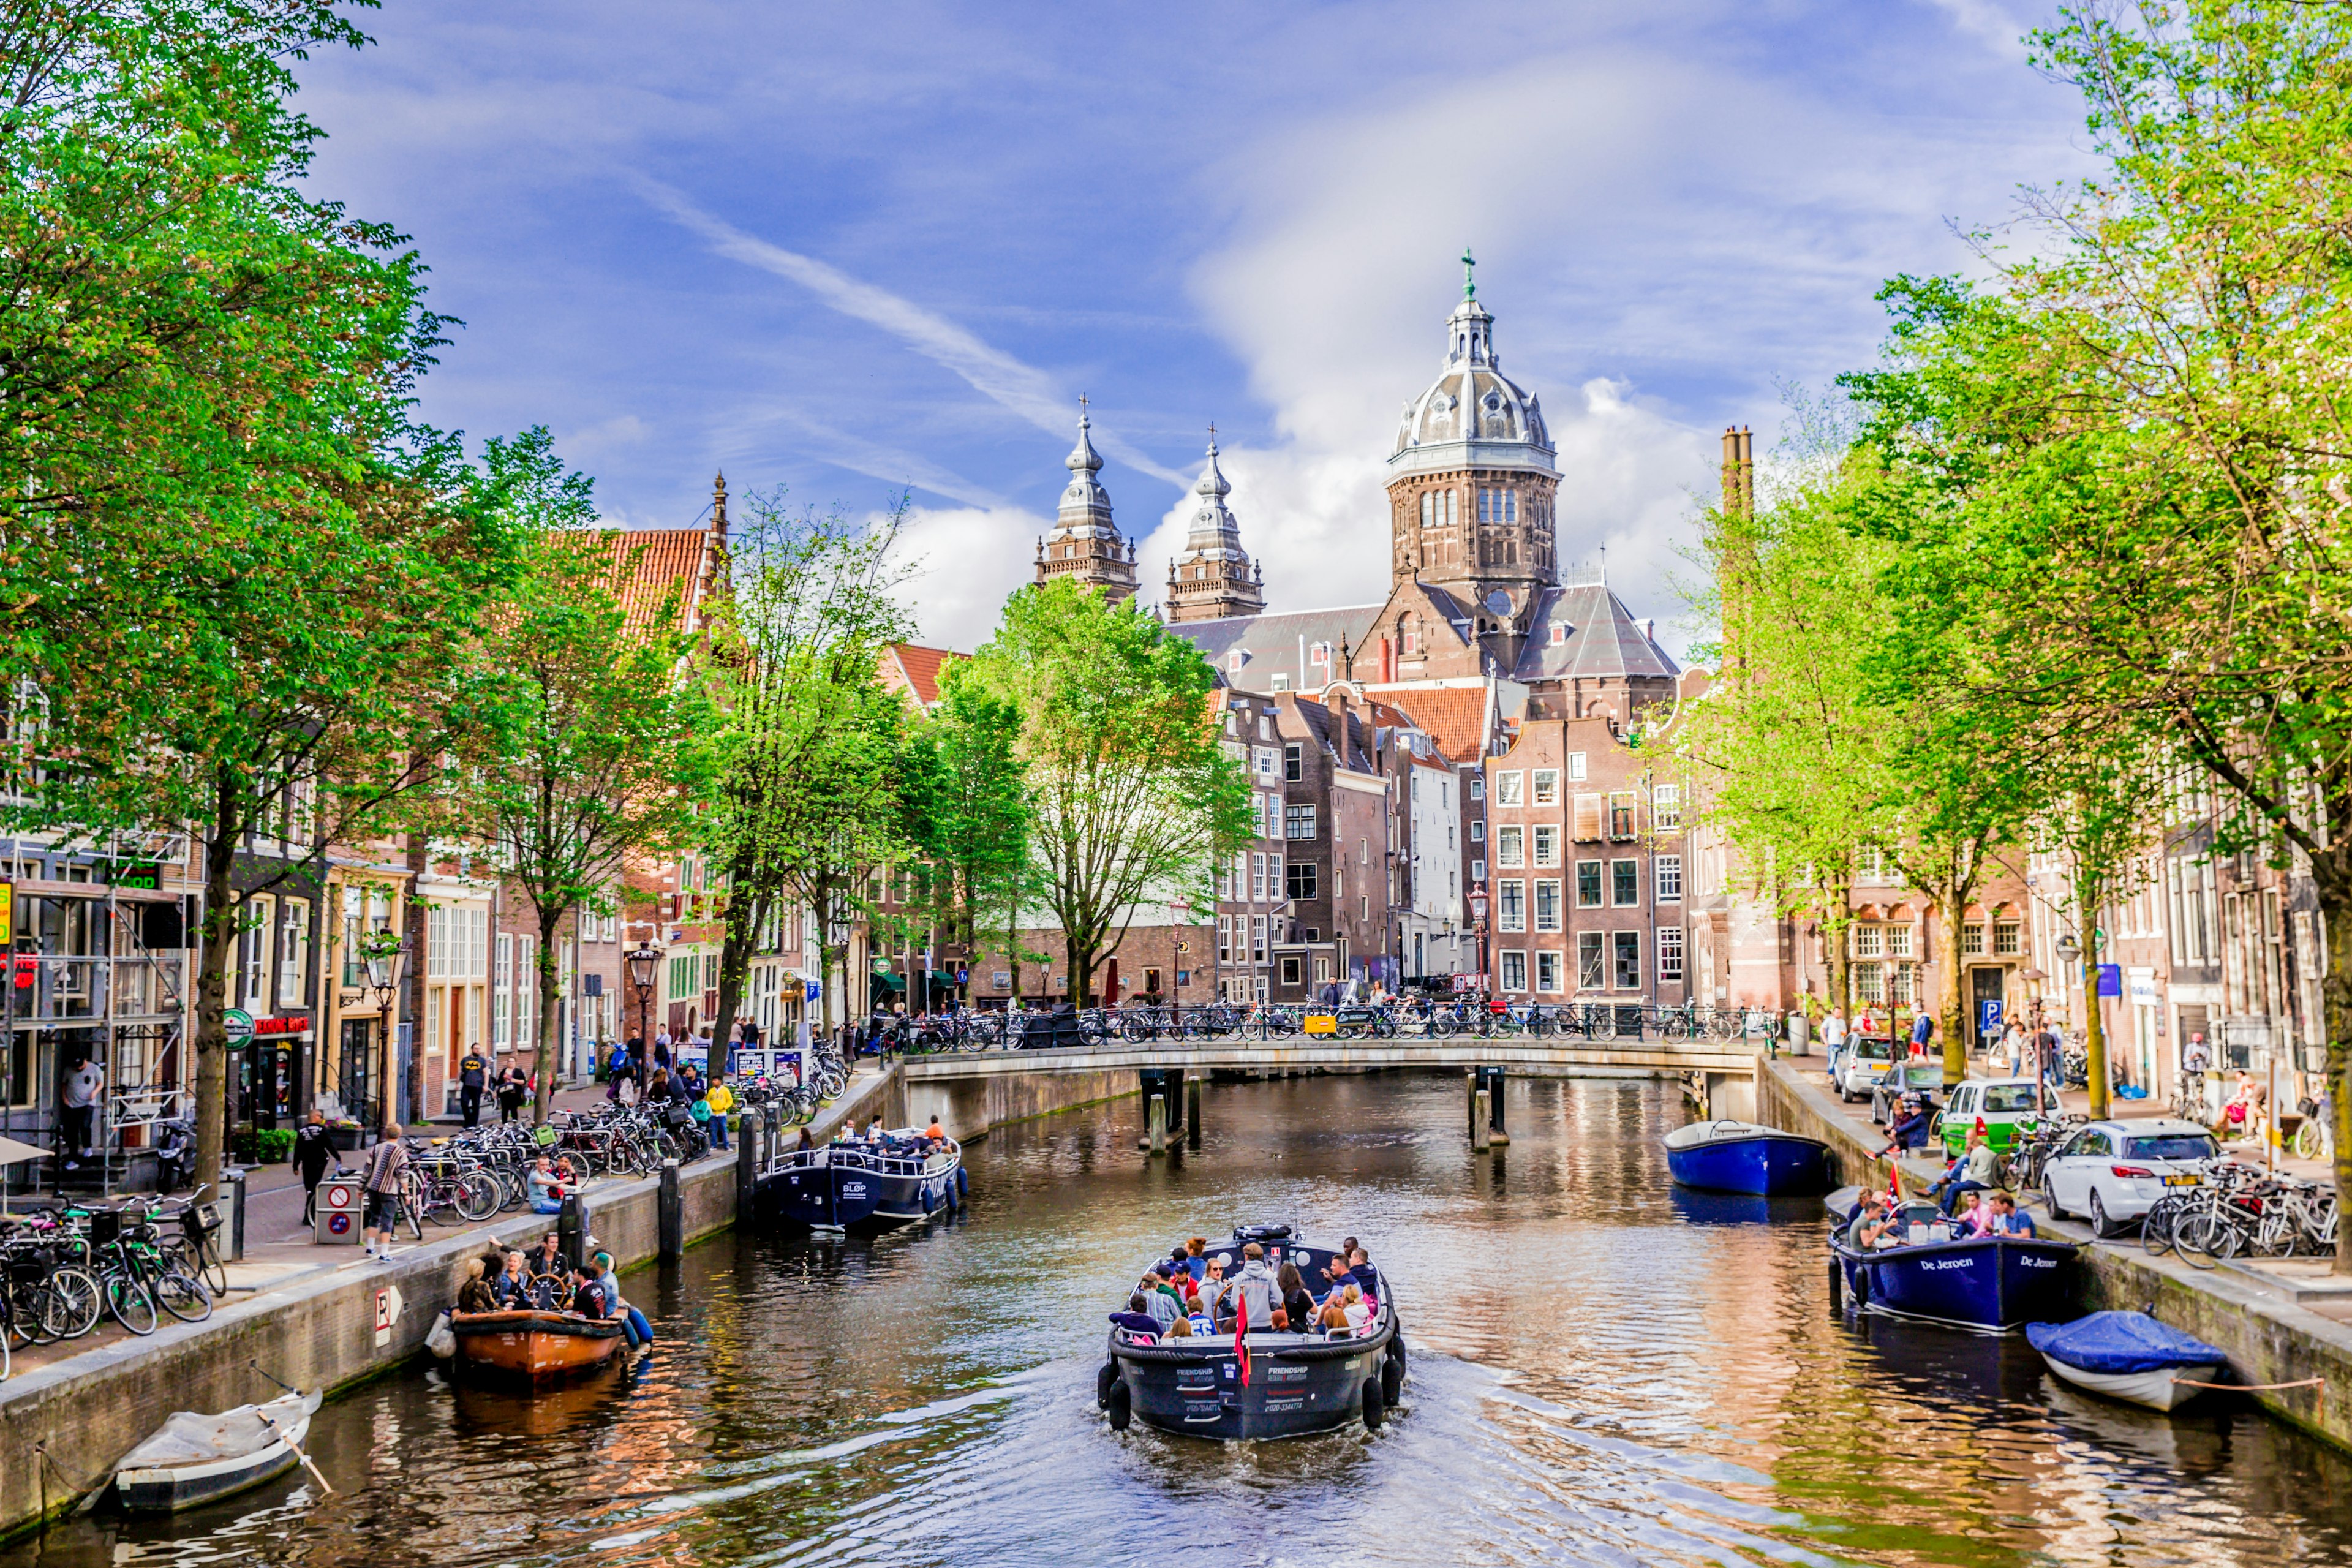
{"x": 1601, "y": 638}
{"x": 913, "y": 668}
{"x": 1455, "y": 717}
{"x": 1279, "y": 645}
{"x": 654, "y": 567}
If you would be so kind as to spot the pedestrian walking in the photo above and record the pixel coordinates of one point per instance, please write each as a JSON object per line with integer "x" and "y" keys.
{"x": 387, "y": 1163}
{"x": 79, "y": 1101}
{"x": 314, "y": 1151}
{"x": 1922, "y": 1030}
{"x": 2012, "y": 1045}
{"x": 1834, "y": 1040}
{"x": 473, "y": 1076}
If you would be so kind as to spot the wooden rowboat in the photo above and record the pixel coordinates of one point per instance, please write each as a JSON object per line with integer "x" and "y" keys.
{"x": 195, "y": 1459}
{"x": 538, "y": 1346}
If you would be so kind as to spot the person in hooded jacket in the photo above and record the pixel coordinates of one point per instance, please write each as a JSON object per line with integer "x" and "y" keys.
{"x": 1253, "y": 1287}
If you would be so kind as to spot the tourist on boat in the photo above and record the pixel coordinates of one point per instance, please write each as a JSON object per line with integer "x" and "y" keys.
{"x": 1138, "y": 1318}
{"x": 1252, "y": 1289}
{"x": 1196, "y": 1257}
{"x": 1361, "y": 1273}
{"x": 476, "y": 1294}
{"x": 874, "y": 1129}
{"x": 1160, "y": 1300}
{"x": 512, "y": 1286}
{"x": 935, "y": 1132}
{"x": 546, "y": 1260}
{"x": 2005, "y": 1219}
{"x": 1969, "y": 1218}
{"x": 1866, "y": 1213}
{"x": 1181, "y": 1328}
{"x": 640, "y": 1331}
{"x": 1354, "y": 1311}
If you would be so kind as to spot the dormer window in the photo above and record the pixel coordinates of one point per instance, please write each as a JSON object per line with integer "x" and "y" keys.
{"x": 1558, "y": 635}
{"x": 1234, "y": 661}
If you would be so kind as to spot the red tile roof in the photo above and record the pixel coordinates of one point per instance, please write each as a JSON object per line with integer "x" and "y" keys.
{"x": 918, "y": 669}
{"x": 1453, "y": 716}
{"x": 652, "y": 565}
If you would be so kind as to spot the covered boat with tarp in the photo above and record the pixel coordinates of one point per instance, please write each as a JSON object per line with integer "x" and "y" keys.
{"x": 195, "y": 1459}
{"x": 1939, "y": 1274}
{"x": 2128, "y": 1355}
{"x": 1266, "y": 1381}
{"x": 1742, "y": 1157}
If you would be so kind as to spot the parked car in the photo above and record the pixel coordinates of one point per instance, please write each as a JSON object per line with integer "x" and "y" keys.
{"x": 2007, "y": 1107}
{"x": 1923, "y": 1078}
{"x": 1866, "y": 1057}
{"x": 2114, "y": 1171}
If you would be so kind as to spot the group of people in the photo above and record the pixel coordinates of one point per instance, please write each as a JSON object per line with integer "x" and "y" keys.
{"x": 514, "y": 1086}
{"x": 665, "y": 1081}
{"x": 1188, "y": 1294}
{"x": 1878, "y": 1222}
{"x": 541, "y": 1280}
{"x": 875, "y": 1137}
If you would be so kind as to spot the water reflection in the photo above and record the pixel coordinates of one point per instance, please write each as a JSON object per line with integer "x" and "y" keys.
{"x": 1605, "y": 1370}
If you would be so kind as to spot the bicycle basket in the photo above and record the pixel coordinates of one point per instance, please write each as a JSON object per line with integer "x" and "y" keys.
{"x": 105, "y": 1227}
{"x": 545, "y": 1136}
{"x": 31, "y": 1262}
{"x": 676, "y": 1116}
{"x": 199, "y": 1219}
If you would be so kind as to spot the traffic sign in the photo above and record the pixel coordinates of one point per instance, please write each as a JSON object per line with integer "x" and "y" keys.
{"x": 387, "y": 1312}
{"x": 237, "y": 1024}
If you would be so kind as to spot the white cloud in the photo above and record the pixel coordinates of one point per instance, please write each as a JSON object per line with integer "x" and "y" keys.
{"x": 1988, "y": 22}
{"x": 1021, "y": 389}
{"x": 968, "y": 561}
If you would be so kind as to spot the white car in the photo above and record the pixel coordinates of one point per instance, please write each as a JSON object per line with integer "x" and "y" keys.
{"x": 1861, "y": 1064}
{"x": 2114, "y": 1171}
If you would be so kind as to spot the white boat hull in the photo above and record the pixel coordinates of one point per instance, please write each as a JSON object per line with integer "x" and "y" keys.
{"x": 2166, "y": 1388}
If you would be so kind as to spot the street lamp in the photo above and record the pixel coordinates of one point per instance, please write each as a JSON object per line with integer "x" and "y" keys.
{"x": 383, "y": 954}
{"x": 643, "y": 964}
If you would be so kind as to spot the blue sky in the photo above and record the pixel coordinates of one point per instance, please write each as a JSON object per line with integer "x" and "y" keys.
{"x": 845, "y": 249}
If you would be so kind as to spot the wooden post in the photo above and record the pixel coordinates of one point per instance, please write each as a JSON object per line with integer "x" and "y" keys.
{"x": 749, "y": 1150}
{"x": 1156, "y": 1118}
{"x": 1481, "y": 1135}
{"x": 1495, "y": 1107}
{"x": 1191, "y": 1113}
{"x": 672, "y": 1212}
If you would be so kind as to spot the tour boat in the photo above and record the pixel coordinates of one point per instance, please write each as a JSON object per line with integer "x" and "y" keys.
{"x": 1741, "y": 1157}
{"x": 195, "y": 1459}
{"x": 1987, "y": 1284}
{"x": 535, "y": 1345}
{"x": 839, "y": 1186}
{"x": 2128, "y": 1355}
{"x": 1266, "y": 1384}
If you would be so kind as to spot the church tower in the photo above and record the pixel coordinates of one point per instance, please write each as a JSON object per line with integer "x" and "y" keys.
{"x": 1085, "y": 544}
{"x": 1214, "y": 579}
{"x": 1471, "y": 486}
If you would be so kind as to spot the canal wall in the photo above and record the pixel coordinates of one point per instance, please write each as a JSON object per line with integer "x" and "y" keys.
{"x": 2270, "y": 1339}
{"x": 64, "y": 1425}
{"x": 971, "y": 1108}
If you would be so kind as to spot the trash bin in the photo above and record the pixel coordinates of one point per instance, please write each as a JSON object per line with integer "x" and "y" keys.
{"x": 341, "y": 1209}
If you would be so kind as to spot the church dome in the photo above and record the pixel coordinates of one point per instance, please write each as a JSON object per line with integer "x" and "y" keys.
{"x": 1473, "y": 404}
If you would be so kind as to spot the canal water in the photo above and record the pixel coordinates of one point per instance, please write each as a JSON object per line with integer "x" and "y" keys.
{"x": 1605, "y": 1371}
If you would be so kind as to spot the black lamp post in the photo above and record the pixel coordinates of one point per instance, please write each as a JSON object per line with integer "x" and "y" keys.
{"x": 642, "y": 963}
{"x": 384, "y": 954}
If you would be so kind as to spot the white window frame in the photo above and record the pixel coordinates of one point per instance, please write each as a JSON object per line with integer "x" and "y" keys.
{"x": 1547, "y": 970}
{"x": 1510, "y": 788}
{"x": 1669, "y": 940}
{"x": 1547, "y": 786}
{"x": 1576, "y": 767}
{"x": 1510, "y": 905}
{"x": 1515, "y": 970}
{"x": 1666, "y": 877}
{"x": 1510, "y": 846}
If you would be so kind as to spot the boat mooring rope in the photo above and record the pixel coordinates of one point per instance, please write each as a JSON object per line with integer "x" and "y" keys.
{"x": 2251, "y": 1388}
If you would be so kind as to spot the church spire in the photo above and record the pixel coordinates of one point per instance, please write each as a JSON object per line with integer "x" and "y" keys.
{"x": 1086, "y": 543}
{"x": 1212, "y": 580}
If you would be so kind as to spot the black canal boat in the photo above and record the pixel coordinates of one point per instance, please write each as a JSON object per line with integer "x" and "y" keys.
{"x": 861, "y": 1184}
{"x": 1273, "y": 1383}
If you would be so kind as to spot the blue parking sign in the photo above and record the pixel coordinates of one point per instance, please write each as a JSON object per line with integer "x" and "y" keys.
{"x": 1989, "y": 1021}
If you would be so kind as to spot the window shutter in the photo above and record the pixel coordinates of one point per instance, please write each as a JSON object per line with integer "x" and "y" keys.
{"x": 1588, "y": 818}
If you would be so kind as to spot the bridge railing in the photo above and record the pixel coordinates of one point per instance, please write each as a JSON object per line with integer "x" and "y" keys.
{"x": 1224, "y": 1022}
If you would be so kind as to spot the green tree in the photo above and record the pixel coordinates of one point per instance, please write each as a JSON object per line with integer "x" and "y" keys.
{"x": 968, "y": 813}
{"x": 808, "y": 794}
{"x": 1130, "y": 795}
{"x": 590, "y": 744}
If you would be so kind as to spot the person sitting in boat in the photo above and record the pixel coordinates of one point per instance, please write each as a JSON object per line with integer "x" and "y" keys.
{"x": 547, "y": 1258}
{"x": 639, "y": 1331}
{"x": 1297, "y": 1306}
{"x": 1138, "y": 1319}
{"x": 1250, "y": 1296}
{"x": 935, "y": 1133}
{"x": 1196, "y": 1257}
{"x": 1969, "y": 1219}
{"x": 474, "y": 1295}
{"x": 1160, "y": 1300}
{"x": 874, "y": 1134}
{"x": 1884, "y": 1226}
{"x": 1181, "y": 1328}
{"x": 1977, "y": 1170}
{"x": 1361, "y": 1274}
{"x": 1872, "y": 1207}
{"x": 1213, "y": 1280}
{"x": 513, "y": 1287}
{"x": 2004, "y": 1218}
{"x": 1355, "y": 1310}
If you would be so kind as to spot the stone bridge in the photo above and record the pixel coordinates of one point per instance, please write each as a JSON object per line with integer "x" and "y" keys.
{"x": 972, "y": 1091}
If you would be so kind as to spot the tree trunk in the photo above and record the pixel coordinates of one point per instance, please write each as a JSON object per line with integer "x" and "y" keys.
{"x": 219, "y": 938}
{"x": 1950, "y": 910}
{"x": 745, "y": 914}
{"x": 551, "y": 1015}
{"x": 2335, "y": 1010}
{"x": 2094, "y": 1033}
{"x": 419, "y": 967}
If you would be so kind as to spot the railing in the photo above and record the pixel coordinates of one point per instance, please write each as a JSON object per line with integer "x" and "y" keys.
{"x": 1611, "y": 1021}
{"x": 858, "y": 1156}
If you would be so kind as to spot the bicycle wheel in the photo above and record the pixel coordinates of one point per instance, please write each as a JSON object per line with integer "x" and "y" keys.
{"x": 183, "y": 1297}
{"x": 73, "y": 1306}
{"x": 477, "y": 1197}
{"x": 2156, "y": 1230}
{"x": 130, "y": 1304}
{"x": 24, "y": 1308}
{"x": 2310, "y": 1142}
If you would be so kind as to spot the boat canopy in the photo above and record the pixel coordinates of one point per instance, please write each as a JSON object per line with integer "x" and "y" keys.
{"x": 2120, "y": 1342}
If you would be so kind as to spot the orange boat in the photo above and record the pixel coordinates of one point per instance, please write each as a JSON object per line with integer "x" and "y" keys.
{"x": 538, "y": 1346}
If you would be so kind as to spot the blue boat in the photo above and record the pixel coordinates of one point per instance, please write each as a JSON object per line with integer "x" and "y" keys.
{"x": 858, "y": 1185}
{"x": 2129, "y": 1355}
{"x": 1741, "y": 1157}
{"x": 1987, "y": 1284}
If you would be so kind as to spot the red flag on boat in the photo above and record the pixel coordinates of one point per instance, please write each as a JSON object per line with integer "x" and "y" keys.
{"x": 1240, "y": 1326}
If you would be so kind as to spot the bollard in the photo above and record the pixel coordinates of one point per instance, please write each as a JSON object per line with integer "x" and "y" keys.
{"x": 235, "y": 1251}
{"x": 748, "y": 1161}
{"x": 1156, "y": 1118}
{"x": 571, "y": 1231}
{"x": 1477, "y": 1076}
{"x": 1481, "y": 1135}
{"x": 1191, "y": 1113}
{"x": 672, "y": 1207}
{"x": 1495, "y": 1106}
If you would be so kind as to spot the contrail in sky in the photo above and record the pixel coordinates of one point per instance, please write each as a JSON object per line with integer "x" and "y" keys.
{"x": 995, "y": 375}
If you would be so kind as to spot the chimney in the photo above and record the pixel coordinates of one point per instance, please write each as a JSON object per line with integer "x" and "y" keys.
{"x": 1738, "y": 470}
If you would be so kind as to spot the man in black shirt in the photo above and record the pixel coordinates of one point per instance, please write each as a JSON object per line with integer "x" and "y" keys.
{"x": 314, "y": 1151}
{"x": 473, "y": 1074}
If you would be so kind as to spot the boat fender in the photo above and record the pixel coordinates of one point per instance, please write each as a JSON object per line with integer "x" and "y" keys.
{"x": 1118, "y": 1407}
{"x": 1837, "y": 1285}
{"x": 963, "y": 1186}
{"x": 1103, "y": 1379}
{"x": 1376, "y": 1408}
{"x": 440, "y": 1340}
{"x": 1392, "y": 1371}
{"x": 1860, "y": 1287}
